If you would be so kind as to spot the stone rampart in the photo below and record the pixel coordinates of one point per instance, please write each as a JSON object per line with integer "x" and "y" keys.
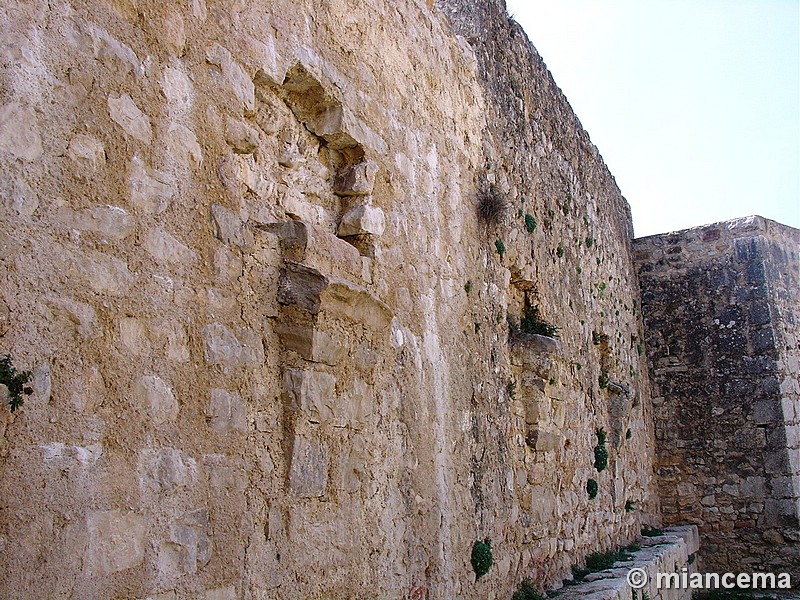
{"x": 721, "y": 306}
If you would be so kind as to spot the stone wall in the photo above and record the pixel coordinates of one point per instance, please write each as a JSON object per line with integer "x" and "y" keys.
{"x": 269, "y": 335}
{"x": 721, "y": 306}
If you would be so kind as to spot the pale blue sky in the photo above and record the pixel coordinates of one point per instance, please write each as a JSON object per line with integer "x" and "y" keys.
{"x": 694, "y": 104}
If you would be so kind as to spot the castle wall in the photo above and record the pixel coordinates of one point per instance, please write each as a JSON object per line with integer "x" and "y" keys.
{"x": 269, "y": 335}
{"x": 721, "y": 312}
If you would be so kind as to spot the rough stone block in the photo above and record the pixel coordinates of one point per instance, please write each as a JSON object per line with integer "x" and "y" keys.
{"x": 87, "y": 151}
{"x": 225, "y": 472}
{"x": 312, "y": 392}
{"x": 151, "y": 190}
{"x": 767, "y": 411}
{"x": 168, "y": 469}
{"x": 240, "y": 136}
{"x": 165, "y": 248}
{"x": 230, "y": 229}
{"x": 226, "y": 411}
{"x": 233, "y": 76}
{"x": 191, "y": 533}
{"x": 224, "y": 348}
{"x": 110, "y": 222}
{"x": 543, "y": 441}
{"x": 156, "y": 398}
{"x": 357, "y": 180}
{"x": 308, "y": 473}
{"x": 19, "y": 132}
{"x": 116, "y": 541}
{"x": 311, "y": 344}
{"x": 71, "y": 314}
{"x": 361, "y": 220}
{"x": 126, "y": 114}
{"x": 316, "y": 248}
{"x": 310, "y": 290}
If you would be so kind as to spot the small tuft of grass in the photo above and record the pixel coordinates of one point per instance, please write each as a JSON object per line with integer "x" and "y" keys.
{"x": 530, "y": 223}
{"x": 500, "y": 246}
{"x": 526, "y": 591}
{"x": 491, "y": 206}
{"x": 592, "y": 489}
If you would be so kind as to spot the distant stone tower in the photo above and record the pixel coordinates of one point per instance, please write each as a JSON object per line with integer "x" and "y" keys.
{"x": 721, "y": 306}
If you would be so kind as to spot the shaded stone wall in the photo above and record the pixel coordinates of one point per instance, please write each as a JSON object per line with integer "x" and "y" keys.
{"x": 722, "y": 312}
{"x": 269, "y": 335}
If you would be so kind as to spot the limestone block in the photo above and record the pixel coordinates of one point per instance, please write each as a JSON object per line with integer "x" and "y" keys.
{"x": 240, "y": 136}
{"x": 226, "y": 411}
{"x": 316, "y": 248}
{"x": 126, "y": 114}
{"x": 165, "y": 248}
{"x": 233, "y": 75}
{"x": 308, "y": 473}
{"x": 151, "y": 190}
{"x": 544, "y": 441}
{"x": 71, "y": 314}
{"x": 312, "y": 392}
{"x": 230, "y": 229}
{"x": 192, "y": 534}
{"x": 177, "y": 87}
{"x": 155, "y": 397}
{"x": 19, "y": 132}
{"x": 261, "y": 55}
{"x": 537, "y": 409}
{"x": 263, "y": 563}
{"x": 354, "y": 464}
{"x": 5, "y": 317}
{"x": 225, "y": 472}
{"x": 358, "y": 180}
{"x": 17, "y": 195}
{"x": 222, "y": 593}
{"x": 311, "y": 344}
{"x": 87, "y": 151}
{"x": 224, "y": 348}
{"x": 106, "y": 47}
{"x": 172, "y": 32}
{"x": 110, "y": 222}
{"x": 167, "y": 470}
{"x": 116, "y": 541}
{"x": 313, "y": 292}
{"x": 132, "y": 336}
{"x": 103, "y": 273}
{"x": 64, "y": 455}
{"x": 182, "y": 144}
{"x": 361, "y": 220}
{"x": 172, "y": 337}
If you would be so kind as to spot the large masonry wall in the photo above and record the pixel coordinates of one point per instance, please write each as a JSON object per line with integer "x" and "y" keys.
{"x": 269, "y": 335}
{"x": 721, "y": 306}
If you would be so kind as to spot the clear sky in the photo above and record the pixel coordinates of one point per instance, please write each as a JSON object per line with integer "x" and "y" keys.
{"x": 694, "y": 104}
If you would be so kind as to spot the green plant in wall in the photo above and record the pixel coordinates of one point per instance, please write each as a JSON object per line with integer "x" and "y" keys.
{"x": 600, "y": 451}
{"x": 511, "y": 388}
{"x": 602, "y": 381}
{"x": 468, "y": 287}
{"x": 628, "y": 434}
{"x": 526, "y": 591}
{"x": 560, "y": 251}
{"x": 648, "y": 531}
{"x": 501, "y": 247}
{"x": 481, "y": 558}
{"x": 591, "y": 489}
{"x": 15, "y": 382}
{"x": 589, "y": 241}
{"x": 532, "y": 322}
{"x": 629, "y": 507}
{"x": 530, "y": 223}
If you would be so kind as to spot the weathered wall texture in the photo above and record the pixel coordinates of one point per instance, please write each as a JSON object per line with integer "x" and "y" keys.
{"x": 722, "y": 311}
{"x": 269, "y": 335}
